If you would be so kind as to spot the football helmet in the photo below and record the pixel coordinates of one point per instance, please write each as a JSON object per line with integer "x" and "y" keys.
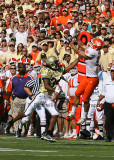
{"x": 12, "y": 61}
{"x": 52, "y": 63}
{"x": 1, "y": 68}
{"x": 96, "y": 43}
{"x": 37, "y": 66}
{"x": 27, "y": 63}
{"x": 18, "y": 61}
{"x": 74, "y": 71}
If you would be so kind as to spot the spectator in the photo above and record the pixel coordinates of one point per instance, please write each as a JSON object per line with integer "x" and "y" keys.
{"x": 106, "y": 57}
{"x": 11, "y": 53}
{"x": 18, "y": 93}
{"x": 104, "y": 34}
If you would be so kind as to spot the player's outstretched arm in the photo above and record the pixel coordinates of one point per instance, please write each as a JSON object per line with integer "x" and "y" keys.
{"x": 72, "y": 65}
{"x": 80, "y": 53}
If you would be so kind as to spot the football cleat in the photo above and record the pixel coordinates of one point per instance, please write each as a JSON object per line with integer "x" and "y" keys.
{"x": 47, "y": 137}
{"x": 99, "y": 137}
{"x": 66, "y": 135}
{"x": 85, "y": 133}
{"x": 81, "y": 121}
{"x": 108, "y": 140}
{"x": 8, "y": 126}
{"x": 18, "y": 133}
{"x": 73, "y": 135}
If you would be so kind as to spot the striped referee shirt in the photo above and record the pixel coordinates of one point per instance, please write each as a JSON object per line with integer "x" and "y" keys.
{"x": 34, "y": 85}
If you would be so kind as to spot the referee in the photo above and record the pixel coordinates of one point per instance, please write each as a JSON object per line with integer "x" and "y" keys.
{"x": 108, "y": 93}
{"x": 31, "y": 88}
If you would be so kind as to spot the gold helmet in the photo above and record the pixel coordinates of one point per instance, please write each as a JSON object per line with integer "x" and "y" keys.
{"x": 52, "y": 63}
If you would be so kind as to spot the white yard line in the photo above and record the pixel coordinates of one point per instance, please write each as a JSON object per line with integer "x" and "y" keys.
{"x": 19, "y": 150}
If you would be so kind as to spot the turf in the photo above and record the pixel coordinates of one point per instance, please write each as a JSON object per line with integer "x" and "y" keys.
{"x": 26, "y": 148}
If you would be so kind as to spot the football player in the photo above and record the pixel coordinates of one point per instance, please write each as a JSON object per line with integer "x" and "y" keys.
{"x": 91, "y": 80}
{"x": 50, "y": 76}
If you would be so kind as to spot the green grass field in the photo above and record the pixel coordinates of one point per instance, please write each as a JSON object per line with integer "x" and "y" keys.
{"x": 28, "y": 148}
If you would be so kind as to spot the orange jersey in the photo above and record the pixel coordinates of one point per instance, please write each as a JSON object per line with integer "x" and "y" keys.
{"x": 63, "y": 20}
{"x": 34, "y": 55}
{"x": 54, "y": 21}
{"x": 104, "y": 13}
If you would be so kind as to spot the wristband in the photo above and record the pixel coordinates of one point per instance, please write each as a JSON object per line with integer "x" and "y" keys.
{"x": 30, "y": 97}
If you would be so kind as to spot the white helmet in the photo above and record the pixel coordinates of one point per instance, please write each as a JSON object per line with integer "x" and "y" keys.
{"x": 74, "y": 71}
{"x": 27, "y": 63}
{"x": 37, "y": 66}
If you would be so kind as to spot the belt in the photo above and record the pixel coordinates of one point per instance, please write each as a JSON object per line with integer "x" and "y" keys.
{"x": 14, "y": 96}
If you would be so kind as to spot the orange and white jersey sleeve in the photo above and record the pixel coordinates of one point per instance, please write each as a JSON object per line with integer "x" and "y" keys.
{"x": 9, "y": 85}
{"x": 92, "y": 62}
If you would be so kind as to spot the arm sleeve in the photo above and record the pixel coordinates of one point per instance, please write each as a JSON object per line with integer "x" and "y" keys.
{"x": 45, "y": 73}
{"x": 9, "y": 87}
{"x": 90, "y": 53}
{"x": 30, "y": 83}
{"x": 57, "y": 89}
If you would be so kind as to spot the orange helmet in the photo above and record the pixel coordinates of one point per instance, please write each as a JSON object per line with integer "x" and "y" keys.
{"x": 96, "y": 43}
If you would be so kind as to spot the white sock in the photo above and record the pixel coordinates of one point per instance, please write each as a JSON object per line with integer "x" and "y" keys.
{"x": 84, "y": 115}
{"x": 74, "y": 131}
{"x": 88, "y": 121}
{"x": 100, "y": 129}
{"x": 73, "y": 109}
{"x": 97, "y": 130}
{"x": 43, "y": 129}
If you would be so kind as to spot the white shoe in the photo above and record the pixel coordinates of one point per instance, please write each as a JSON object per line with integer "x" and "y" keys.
{"x": 81, "y": 121}
{"x": 66, "y": 135}
{"x": 73, "y": 135}
{"x": 95, "y": 136}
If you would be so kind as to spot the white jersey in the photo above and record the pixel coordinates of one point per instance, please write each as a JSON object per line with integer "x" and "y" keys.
{"x": 62, "y": 86}
{"x": 8, "y": 74}
{"x": 98, "y": 90}
{"x": 72, "y": 82}
{"x": 92, "y": 63}
{"x": 33, "y": 73}
{"x": 2, "y": 76}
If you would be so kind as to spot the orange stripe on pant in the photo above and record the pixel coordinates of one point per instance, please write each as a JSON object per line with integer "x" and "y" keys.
{"x": 86, "y": 87}
{"x": 78, "y": 113}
